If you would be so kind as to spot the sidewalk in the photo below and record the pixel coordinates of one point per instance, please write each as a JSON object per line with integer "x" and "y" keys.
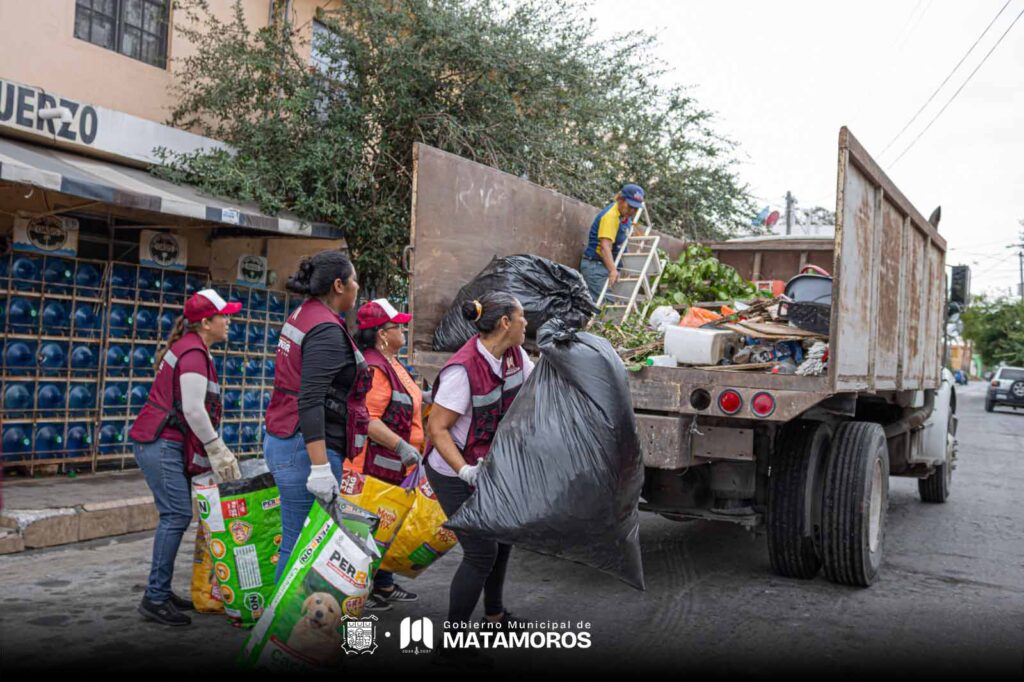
{"x": 57, "y": 511}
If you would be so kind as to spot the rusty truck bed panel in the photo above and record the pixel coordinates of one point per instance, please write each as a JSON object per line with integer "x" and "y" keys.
{"x": 889, "y": 286}
{"x": 887, "y": 260}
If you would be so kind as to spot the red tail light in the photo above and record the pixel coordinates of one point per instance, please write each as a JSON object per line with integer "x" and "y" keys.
{"x": 762, "y": 404}
{"x": 995, "y": 383}
{"x": 729, "y": 401}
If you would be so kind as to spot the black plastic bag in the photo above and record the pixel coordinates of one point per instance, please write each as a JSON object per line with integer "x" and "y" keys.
{"x": 545, "y": 288}
{"x": 565, "y": 470}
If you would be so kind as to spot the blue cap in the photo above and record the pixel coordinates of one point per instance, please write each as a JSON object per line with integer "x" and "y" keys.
{"x": 633, "y": 195}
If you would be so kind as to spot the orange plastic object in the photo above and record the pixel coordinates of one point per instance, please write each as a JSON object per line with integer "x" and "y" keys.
{"x": 697, "y": 317}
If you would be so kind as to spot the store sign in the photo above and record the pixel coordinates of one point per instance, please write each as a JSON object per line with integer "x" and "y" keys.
{"x": 252, "y": 271}
{"x": 53, "y": 235}
{"x": 162, "y": 250}
{"x": 87, "y": 127}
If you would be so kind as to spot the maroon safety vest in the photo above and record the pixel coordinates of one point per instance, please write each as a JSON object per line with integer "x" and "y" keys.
{"x": 379, "y": 461}
{"x": 163, "y": 407}
{"x": 491, "y": 396}
{"x": 283, "y": 411}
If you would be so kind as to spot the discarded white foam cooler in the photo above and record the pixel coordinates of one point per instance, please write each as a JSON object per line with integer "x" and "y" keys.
{"x": 695, "y": 346}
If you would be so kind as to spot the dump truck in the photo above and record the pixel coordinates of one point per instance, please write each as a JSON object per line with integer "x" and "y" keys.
{"x": 804, "y": 459}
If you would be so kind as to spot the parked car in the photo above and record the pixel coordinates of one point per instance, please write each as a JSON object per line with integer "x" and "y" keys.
{"x": 1006, "y": 388}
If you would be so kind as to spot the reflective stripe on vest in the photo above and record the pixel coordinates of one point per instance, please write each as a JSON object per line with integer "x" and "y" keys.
{"x": 514, "y": 380}
{"x": 171, "y": 359}
{"x": 403, "y": 398}
{"x": 292, "y": 333}
{"x": 388, "y": 463}
{"x": 490, "y": 398}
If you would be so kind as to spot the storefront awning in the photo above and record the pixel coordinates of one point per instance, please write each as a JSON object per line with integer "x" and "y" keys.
{"x": 131, "y": 188}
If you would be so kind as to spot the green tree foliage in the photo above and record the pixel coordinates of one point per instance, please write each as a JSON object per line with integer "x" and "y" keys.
{"x": 697, "y": 276}
{"x": 524, "y": 86}
{"x": 997, "y": 329}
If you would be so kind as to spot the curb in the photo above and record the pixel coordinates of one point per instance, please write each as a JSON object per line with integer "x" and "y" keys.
{"x": 36, "y": 528}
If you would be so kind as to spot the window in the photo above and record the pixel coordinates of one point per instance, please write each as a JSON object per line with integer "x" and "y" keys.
{"x": 1010, "y": 374}
{"x": 135, "y": 28}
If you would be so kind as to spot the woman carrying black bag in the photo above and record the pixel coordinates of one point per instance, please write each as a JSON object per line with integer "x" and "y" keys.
{"x": 471, "y": 395}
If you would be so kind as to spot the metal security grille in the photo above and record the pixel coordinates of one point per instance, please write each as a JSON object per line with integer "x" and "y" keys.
{"x": 134, "y": 28}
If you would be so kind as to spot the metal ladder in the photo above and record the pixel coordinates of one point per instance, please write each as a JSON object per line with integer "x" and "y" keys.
{"x": 640, "y": 270}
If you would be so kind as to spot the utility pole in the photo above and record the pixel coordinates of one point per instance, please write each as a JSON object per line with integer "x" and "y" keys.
{"x": 790, "y": 201}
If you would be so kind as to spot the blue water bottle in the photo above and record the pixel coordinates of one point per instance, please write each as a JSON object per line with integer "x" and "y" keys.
{"x": 50, "y": 438}
{"x": 149, "y": 284}
{"x": 173, "y": 287}
{"x": 122, "y": 281}
{"x": 115, "y": 398}
{"x": 79, "y": 438}
{"x": 233, "y": 367}
{"x": 53, "y": 357}
{"x": 58, "y": 275}
{"x": 251, "y": 401}
{"x": 17, "y": 440}
{"x": 84, "y": 359}
{"x": 166, "y": 323}
{"x": 23, "y": 315}
{"x": 56, "y": 321}
{"x": 194, "y": 283}
{"x": 25, "y": 273}
{"x": 81, "y": 398}
{"x": 111, "y": 437}
{"x": 218, "y": 365}
{"x": 120, "y": 320}
{"x": 117, "y": 360}
{"x": 275, "y": 306}
{"x": 87, "y": 323}
{"x": 20, "y": 357}
{"x": 87, "y": 280}
{"x": 230, "y": 435}
{"x": 142, "y": 359}
{"x": 236, "y": 335}
{"x": 257, "y": 336}
{"x": 139, "y": 395}
{"x": 50, "y": 400}
{"x": 17, "y": 399}
{"x": 253, "y": 370}
{"x": 145, "y": 323}
{"x": 268, "y": 369}
{"x": 273, "y": 336}
{"x": 232, "y": 401}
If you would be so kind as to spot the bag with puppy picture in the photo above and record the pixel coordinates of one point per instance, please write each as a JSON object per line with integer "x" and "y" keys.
{"x": 328, "y": 578}
{"x": 243, "y": 518}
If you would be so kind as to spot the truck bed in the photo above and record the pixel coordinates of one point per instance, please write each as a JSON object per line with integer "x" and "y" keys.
{"x": 887, "y": 261}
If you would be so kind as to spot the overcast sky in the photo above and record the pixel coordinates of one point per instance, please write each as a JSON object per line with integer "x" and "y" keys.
{"x": 783, "y": 76}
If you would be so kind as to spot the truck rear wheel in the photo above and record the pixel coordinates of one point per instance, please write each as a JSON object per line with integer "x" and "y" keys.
{"x": 794, "y": 498}
{"x": 854, "y": 504}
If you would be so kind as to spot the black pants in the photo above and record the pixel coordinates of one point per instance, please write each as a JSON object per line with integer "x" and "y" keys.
{"x": 483, "y": 561}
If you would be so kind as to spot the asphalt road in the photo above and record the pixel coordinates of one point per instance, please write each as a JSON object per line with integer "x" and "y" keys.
{"x": 949, "y": 602}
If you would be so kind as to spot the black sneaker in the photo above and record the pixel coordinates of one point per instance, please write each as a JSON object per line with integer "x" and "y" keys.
{"x": 376, "y": 603}
{"x": 182, "y": 603}
{"x": 165, "y": 613}
{"x": 504, "y": 622}
{"x": 397, "y": 594}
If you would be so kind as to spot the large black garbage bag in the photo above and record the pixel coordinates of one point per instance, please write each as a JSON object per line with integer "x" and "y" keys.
{"x": 564, "y": 473}
{"x": 545, "y": 288}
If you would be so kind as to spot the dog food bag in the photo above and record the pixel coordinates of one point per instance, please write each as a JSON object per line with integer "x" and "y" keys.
{"x": 422, "y": 539}
{"x": 244, "y": 521}
{"x": 205, "y": 591}
{"x": 389, "y": 502}
{"x": 328, "y": 577}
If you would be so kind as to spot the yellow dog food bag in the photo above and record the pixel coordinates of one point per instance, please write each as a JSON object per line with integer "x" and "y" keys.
{"x": 422, "y": 539}
{"x": 205, "y": 590}
{"x": 391, "y": 503}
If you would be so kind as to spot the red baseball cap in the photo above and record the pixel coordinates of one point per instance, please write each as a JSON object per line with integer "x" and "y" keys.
{"x": 378, "y": 311}
{"x": 207, "y": 303}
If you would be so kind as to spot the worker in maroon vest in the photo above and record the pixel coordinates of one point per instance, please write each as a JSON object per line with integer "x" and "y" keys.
{"x": 175, "y": 437}
{"x": 317, "y": 415}
{"x": 395, "y": 406}
{"x": 471, "y": 395}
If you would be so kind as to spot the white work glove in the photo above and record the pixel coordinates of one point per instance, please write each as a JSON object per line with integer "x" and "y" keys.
{"x": 321, "y": 482}
{"x": 222, "y": 461}
{"x": 408, "y": 453}
{"x": 469, "y": 473}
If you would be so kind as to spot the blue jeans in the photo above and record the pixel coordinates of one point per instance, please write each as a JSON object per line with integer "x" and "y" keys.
{"x": 595, "y": 274}
{"x": 289, "y": 464}
{"x": 163, "y": 464}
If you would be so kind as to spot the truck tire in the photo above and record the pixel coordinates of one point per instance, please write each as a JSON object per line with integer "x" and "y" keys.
{"x": 854, "y": 504}
{"x": 935, "y": 488}
{"x": 989, "y": 405}
{"x": 794, "y": 498}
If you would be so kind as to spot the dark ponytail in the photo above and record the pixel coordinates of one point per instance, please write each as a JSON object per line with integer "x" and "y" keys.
{"x": 317, "y": 273}
{"x": 485, "y": 312}
{"x": 181, "y": 326}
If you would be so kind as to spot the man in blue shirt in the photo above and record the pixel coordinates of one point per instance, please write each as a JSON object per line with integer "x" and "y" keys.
{"x": 607, "y": 236}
